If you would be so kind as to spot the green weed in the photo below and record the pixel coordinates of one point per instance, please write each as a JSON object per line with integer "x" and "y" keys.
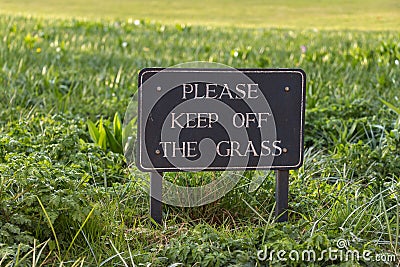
{"x": 104, "y": 137}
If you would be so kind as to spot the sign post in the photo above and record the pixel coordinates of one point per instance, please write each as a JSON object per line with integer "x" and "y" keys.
{"x": 156, "y": 196}
{"x": 281, "y": 195}
{"x": 220, "y": 120}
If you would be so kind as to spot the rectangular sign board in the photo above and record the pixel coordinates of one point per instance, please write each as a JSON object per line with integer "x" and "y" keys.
{"x": 220, "y": 119}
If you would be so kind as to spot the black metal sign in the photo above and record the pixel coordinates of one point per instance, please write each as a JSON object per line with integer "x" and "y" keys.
{"x": 220, "y": 119}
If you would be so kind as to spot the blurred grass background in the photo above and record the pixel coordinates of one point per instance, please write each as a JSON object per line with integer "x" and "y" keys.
{"x": 340, "y": 14}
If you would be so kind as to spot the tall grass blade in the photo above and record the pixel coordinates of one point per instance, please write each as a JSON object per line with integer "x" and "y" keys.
{"x": 79, "y": 231}
{"x": 391, "y": 106}
{"x": 3, "y": 259}
{"x": 255, "y": 211}
{"x": 51, "y": 227}
{"x": 90, "y": 247}
{"x": 388, "y": 225}
{"x": 119, "y": 254}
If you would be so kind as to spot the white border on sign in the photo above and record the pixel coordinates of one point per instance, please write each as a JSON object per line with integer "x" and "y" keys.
{"x": 230, "y": 168}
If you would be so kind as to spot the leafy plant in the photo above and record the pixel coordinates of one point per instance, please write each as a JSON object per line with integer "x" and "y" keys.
{"x": 104, "y": 137}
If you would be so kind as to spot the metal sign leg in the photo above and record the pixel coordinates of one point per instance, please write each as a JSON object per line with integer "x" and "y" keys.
{"x": 281, "y": 195}
{"x": 156, "y": 196}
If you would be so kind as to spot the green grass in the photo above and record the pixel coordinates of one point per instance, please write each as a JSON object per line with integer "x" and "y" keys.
{"x": 304, "y": 14}
{"x": 55, "y": 74}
